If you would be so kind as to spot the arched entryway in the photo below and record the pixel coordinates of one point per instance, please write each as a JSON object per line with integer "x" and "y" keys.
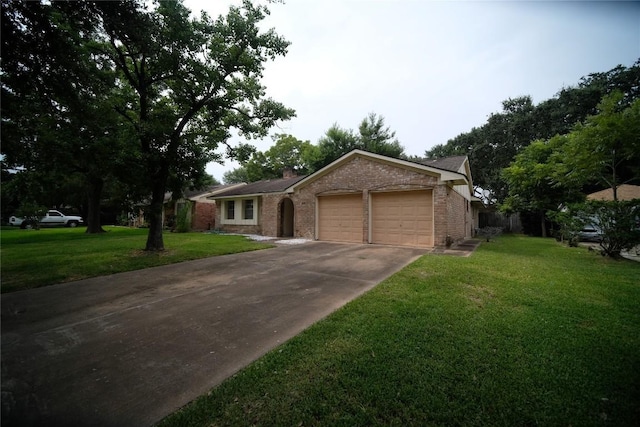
{"x": 285, "y": 223}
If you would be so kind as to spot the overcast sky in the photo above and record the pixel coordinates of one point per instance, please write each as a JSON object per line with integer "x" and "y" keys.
{"x": 432, "y": 69}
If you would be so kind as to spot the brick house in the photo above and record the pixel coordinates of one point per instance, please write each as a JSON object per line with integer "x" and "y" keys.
{"x": 362, "y": 198}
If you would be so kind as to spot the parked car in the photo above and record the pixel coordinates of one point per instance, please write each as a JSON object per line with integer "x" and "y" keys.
{"x": 50, "y": 219}
{"x": 590, "y": 233}
{"x": 15, "y": 221}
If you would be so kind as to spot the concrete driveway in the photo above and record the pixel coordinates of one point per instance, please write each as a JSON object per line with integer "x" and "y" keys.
{"x": 130, "y": 348}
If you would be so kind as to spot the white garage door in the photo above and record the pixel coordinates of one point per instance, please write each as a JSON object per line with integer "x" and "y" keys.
{"x": 340, "y": 218}
{"x": 402, "y": 218}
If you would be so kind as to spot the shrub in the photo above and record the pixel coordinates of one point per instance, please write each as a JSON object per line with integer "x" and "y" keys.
{"x": 619, "y": 222}
{"x": 31, "y": 213}
{"x": 183, "y": 219}
{"x": 489, "y": 232}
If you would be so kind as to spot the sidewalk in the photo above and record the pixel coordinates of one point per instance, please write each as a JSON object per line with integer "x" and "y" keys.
{"x": 464, "y": 248}
{"x": 633, "y": 254}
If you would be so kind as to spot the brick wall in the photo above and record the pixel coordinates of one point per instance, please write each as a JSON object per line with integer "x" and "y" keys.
{"x": 458, "y": 219}
{"x": 203, "y": 216}
{"x": 440, "y": 215}
{"x": 270, "y": 213}
{"x": 243, "y": 229}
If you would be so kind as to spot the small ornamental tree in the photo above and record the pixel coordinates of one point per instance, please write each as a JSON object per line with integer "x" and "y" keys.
{"x": 531, "y": 183}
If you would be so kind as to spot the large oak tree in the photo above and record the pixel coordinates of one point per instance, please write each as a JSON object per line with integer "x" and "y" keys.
{"x": 186, "y": 83}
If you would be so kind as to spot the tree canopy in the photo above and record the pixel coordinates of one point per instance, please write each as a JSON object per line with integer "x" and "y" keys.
{"x": 304, "y": 158}
{"x": 603, "y": 151}
{"x": 373, "y": 136}
{"x": 59, "y": 124}
{"x": 174, "y": 88}
{"x": 288, "y": 152}
{"x": 494, "y": 145}
{"x": 532, "y": 180}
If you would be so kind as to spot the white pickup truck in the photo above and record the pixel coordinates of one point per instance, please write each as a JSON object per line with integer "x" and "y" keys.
{"x": 51, "y": 218}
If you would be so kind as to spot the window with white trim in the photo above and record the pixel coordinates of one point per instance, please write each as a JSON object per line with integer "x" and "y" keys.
{"x": 240, "y": 211}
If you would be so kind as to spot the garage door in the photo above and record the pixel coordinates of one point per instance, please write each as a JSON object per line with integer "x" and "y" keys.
{"x": 340, "y": 218}
{"x": 402, "y": 218}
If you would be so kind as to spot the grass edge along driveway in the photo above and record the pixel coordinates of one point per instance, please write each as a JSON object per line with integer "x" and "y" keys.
{"x": 35, "y": 258}
{"x": 524, "y": 332}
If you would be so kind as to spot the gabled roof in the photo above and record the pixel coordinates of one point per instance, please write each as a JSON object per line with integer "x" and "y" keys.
{"x": 446, "y": 169}
{"x": 625, "y": 192}
{"x": 261, "y": 187}
{"x": 192, "y": 193}
{"x": 453, "y": 176}
{"x": 209, "y": 190}
{"x": 203, "y": 193}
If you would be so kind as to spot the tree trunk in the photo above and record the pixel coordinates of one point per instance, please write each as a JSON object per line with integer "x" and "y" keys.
{"x": 614, "y": 182}
{"x": 155, "y": 241}
{"x": 93, "y": 207}
{"x": 543, "y": 224}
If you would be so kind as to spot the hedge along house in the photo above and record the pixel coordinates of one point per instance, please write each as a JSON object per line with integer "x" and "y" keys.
{"x": 361, "y": 198}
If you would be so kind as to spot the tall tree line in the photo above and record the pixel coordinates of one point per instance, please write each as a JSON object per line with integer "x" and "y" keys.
{"x": 494, "y": 145}
{"x": 602, "y": 152}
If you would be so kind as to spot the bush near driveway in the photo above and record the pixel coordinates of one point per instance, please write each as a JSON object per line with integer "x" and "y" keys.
{"x": 619, "y": 222}
{"x": 526, "y": 331}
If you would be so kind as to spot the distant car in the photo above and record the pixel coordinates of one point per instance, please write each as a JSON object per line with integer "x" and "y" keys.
{"x": 50, "y": 219}
{"x": 590, "y": 233}
{"x": 15, "y": 221}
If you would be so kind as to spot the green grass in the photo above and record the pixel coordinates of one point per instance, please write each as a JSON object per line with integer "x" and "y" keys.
{"x": 525, "y": 332}
{"x": 34, "y": 258}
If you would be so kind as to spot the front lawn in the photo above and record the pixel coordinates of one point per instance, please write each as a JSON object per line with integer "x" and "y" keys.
{"x": 525, "y": 332}
{"x": 33, "y": 258}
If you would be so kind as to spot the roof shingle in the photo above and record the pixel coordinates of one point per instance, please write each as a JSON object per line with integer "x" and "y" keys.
{"x": 453, "y": 163}
{"x": 625, "y": 192}
{"x": 258, "y": 187}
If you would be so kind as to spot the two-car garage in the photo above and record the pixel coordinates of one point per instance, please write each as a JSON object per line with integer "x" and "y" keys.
{"x": 395, "y": 218}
